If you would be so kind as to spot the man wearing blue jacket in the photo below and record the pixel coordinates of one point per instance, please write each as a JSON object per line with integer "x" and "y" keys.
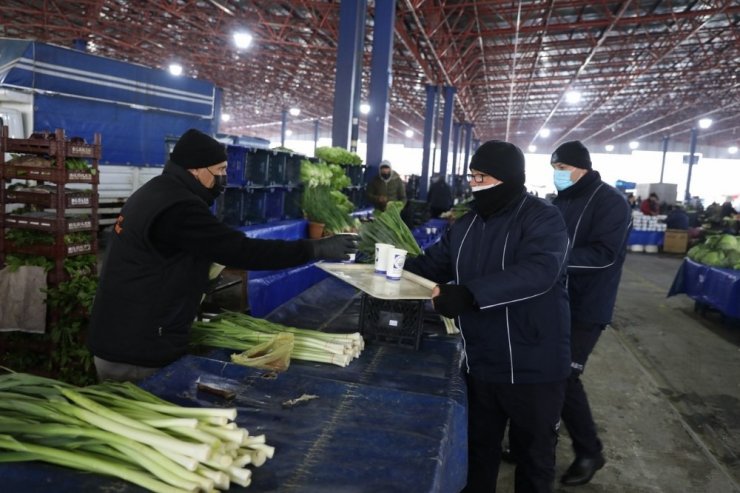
{"x": 598, "y": 219}
{"x": 500, "y": 270}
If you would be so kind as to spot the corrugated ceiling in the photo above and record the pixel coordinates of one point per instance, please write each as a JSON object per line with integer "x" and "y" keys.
{"x": 644, "y": 69}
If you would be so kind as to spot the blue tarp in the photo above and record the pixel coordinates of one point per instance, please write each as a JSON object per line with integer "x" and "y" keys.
{"x": 718, "y": 288}
{"x": 394, "y": 420}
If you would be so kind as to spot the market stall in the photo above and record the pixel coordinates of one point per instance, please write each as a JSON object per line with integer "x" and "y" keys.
{"x": 393, "y": 420}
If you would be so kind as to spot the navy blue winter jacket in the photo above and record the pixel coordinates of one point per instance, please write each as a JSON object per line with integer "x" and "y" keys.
{"x": 598, "y": 219}
{"x": 514, "y": 264}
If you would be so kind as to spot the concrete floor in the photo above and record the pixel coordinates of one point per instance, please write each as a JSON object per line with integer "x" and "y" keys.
{"x": 664, "y": 385}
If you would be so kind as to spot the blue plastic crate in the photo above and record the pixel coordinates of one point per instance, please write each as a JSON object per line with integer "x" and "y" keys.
{"x": 292, "y": 208}
{"x": 237, "y": 163}
{"x": 274, "y": 204}
{"x": 256, "y": 170}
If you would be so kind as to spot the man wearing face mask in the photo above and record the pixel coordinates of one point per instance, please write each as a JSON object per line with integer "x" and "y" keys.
{"x": 501, "y": 274}
{"x": 157, "y": 262}
{"x": 598, "y": 219}
{"x": 387, "y": 186}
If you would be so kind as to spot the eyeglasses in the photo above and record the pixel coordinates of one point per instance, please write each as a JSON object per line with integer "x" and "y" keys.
{"x": 476, "y": 177}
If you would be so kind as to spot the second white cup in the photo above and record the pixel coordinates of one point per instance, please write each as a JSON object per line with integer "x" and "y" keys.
{"x": 396, "y": 260}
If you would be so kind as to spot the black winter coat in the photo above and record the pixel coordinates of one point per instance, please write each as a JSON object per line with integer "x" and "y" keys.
{"x": 514, "y": 264}
{"x": 599, "y": 220}
{"x": 156, "y": 269}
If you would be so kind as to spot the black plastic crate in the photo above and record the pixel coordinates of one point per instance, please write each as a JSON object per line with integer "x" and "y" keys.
{"x": 276, "y": 168}
{"x": 356, "y": 195}
{"x": 254, "y": 205}
{"x": 355, "y": 173}
{"x": 395, "y": 322}
{"x": 292, "y": 205}
{"x": 231, "y": 206}
{"x": 292, "y": 176}
{"x": 258, "y": 161}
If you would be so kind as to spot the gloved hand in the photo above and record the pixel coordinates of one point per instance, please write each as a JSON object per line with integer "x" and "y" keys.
{"x": 337, "y": 247}
{"x": 454, "y": 300}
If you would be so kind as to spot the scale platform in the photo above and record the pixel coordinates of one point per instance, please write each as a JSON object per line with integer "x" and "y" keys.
{"x": 364, "y": 278}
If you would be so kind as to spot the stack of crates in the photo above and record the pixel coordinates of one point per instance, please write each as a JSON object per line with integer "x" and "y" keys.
{"x": 263, "y": 186}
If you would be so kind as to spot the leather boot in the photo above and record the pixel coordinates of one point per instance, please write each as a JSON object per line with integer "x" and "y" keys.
{"x": 582, "y": 470}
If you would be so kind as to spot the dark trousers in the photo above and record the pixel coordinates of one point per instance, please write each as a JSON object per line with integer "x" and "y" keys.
{"x": 533, "y": 411}
{"x": 576, "y": 415}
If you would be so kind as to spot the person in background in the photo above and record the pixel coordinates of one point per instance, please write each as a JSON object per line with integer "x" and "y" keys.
{"x": 677, "y": 218}
{"x": 439, "y": 196}
{"x": 631, "y": 200}
{"x": 651, "y": 205}
{"x": 598, "y": 219}
{"x": 385, "y": 187}
{"x": 156, "y": 266}
{"x": 727, "y": 210}
{"x": 500, "y": 274}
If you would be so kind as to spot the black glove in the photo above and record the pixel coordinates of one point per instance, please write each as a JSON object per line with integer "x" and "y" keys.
{"x": 454, "y": 300}
{"x": 337, "y": 247}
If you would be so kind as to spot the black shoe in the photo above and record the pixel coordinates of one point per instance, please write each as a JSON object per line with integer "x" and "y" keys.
{"x": 582, "y": 470}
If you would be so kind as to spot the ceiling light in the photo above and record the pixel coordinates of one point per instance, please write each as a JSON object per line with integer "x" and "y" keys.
{"x": 175, "y": 69}
{"x": 417, "y": 87}
{"x": 410, "y": 133}
{"x": 288, "y": 133}
{"x": 364, "y": 108}
{"x": 572, "y": 97}
{"x": 532, "y": 148}
{"x": 732, "y": 149}
{"x": 294, "y": 111}
{"x": 609, "y": 148}
{"x": 634, "y": 145}
{"x": 705, "y": 123}
{"x": 242, "y": 39}
{"x": 545, "y": 133}
{"x": 225, "y": 117}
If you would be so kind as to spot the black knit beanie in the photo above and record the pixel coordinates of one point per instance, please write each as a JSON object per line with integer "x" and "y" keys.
{"x": 572, "y": 153}
{"x": 197, "y": 150}
{"x": 502, "y": 160}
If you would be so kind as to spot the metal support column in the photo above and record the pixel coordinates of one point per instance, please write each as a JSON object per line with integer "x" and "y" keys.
{"x": 468, "y": 145}
{"x": 346, "y": 70}
{"x": 283, "y": 127}
{"x": 692, "y": 152}
{"x": 380, "y": 83}
{"x": 357, "y": 96}
{"x": 455, "y": 146}
{"x": 449, "y": 92}
{"x": 665, "y": 151}
{"x": 428, "y": 130}
{"x": 315, "y": 135}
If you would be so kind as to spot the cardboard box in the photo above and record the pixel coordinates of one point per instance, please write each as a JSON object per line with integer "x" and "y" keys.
{"x": 675, "y": 241}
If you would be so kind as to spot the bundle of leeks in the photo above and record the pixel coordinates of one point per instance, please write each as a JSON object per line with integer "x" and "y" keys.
{"x": 120, "y": 430}
{"x": 238, "y": 331}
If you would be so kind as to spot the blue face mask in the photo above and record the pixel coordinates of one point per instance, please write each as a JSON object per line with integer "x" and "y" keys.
{"x": 562, "y": 179}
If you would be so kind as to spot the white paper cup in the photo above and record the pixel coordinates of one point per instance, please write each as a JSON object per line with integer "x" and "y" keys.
{"x": 382, "y": 251}
{"x": 396, "y": 259}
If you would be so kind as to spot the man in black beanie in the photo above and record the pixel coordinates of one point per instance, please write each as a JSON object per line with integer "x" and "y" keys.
{"x": 156, "y": 267}
{"x": 501, "y": 275}
{"x": 598, "y": 219}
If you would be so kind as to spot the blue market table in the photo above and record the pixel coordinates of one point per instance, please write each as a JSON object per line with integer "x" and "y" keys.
{"x": 394, "y": 420}
{"x": 710, "y": 286}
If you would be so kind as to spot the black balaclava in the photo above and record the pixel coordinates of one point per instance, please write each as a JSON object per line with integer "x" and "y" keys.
{"x": 505, "y": 162}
